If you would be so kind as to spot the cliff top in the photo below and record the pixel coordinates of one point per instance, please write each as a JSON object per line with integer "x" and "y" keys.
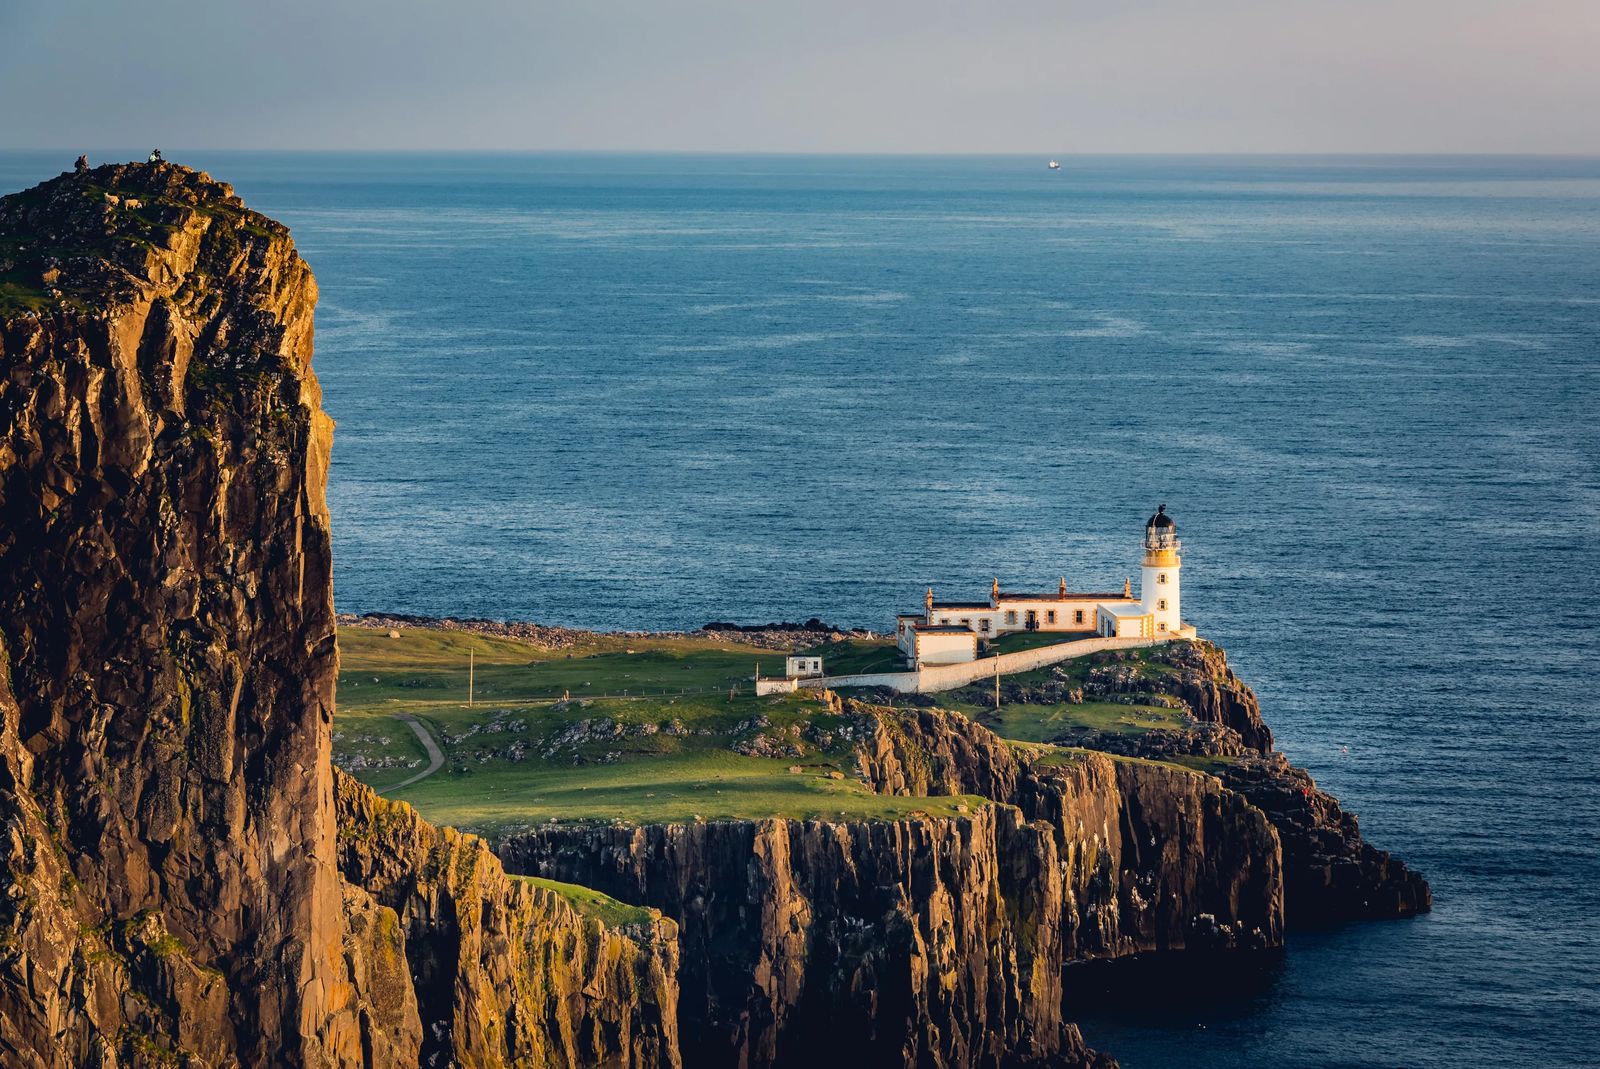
{"x": 666, "y": 729}
{"x": 650, "y": 732}
{"x": 95, "y": 239}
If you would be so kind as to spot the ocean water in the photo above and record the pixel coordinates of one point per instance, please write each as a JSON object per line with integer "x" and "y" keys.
{"x": 616, "y": 391}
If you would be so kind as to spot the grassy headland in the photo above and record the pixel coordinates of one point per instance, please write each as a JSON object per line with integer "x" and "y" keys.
{"x": 617, "y": 728}
{"x": 668, "y": 728}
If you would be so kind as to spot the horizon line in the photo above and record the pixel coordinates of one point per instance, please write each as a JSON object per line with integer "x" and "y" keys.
{"x": 803, "y": 153}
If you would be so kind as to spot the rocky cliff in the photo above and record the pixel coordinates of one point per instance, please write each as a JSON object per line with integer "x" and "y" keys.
{"x": 504, "y": 972}
{"x": 1155, "y": 857}
{"x": 934, "y": 941}
{"x": 170, "y": 884}
{"x": 1331, "y": 873}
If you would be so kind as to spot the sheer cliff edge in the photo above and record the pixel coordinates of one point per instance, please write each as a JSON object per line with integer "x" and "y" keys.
{"x": 173, "y": 889}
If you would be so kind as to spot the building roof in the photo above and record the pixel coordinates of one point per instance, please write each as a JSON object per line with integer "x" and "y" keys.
{"x": 1131, "y": 609}
{"x": 984, "y": 605}
{"x": 947, "y": 629}
{"x": 1072, "y": 595}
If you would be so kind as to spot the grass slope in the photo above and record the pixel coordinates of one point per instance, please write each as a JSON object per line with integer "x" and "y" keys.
{"x": 648, "y": 734}
{"x": 659, "y": 729}
{"x": 592, "y": 903}
{"x": 1041, "y": 723}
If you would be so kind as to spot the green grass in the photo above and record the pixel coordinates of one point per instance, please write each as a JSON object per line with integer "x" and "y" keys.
{"x": 1046, "y": 755}
{"x": 649, "y": 734}
{"x": 520, "y": 756}
{"x": 1032, "y": 640}
{"x": 592, "y": 903}
{"x": 425, "y": 665}
{"x": 1042, "y": 723}
{"x": 16, "y": 297}
{"x": 379, "y": 734}
{"x": 857, "y": 656}
{"x": 1213, "y": 766}
{"x": 703, "y": 784}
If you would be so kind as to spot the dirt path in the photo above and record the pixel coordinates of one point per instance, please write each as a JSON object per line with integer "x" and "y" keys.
{"x": 435, "y": 755}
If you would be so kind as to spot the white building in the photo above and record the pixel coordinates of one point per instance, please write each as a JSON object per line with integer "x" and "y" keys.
{"x": 802, "y": 667}
{"x": 794, "y": 670}
{"x": 946, "y": 632}
{"x": 925, "y": 643}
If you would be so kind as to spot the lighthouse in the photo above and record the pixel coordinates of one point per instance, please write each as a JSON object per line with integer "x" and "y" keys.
{"x": 1158, "y": 581}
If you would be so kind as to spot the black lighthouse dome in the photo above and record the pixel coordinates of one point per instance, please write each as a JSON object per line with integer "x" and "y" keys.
{"x": 1160, "y": 520}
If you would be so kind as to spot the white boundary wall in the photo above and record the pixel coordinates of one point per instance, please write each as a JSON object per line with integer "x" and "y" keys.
{"x": 935, "y": 678}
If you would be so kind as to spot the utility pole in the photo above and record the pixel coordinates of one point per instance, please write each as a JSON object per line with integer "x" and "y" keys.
{"x": 470, "y": 673}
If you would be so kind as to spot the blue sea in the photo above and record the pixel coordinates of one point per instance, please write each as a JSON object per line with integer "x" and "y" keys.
{"x": 651, "y": 391}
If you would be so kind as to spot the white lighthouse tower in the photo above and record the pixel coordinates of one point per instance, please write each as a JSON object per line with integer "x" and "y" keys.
{"x": 1158, "y": 578}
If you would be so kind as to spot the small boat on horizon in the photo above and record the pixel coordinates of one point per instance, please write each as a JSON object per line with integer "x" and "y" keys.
{"x": 1054, "y": 166}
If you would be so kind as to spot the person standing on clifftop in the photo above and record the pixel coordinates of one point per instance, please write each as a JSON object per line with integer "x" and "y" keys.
{"x": 155, "y": 156}
{"x": 81, "y": 164}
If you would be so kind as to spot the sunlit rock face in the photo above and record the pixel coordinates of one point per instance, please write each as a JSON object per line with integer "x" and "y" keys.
{"x": 169, "y": 881}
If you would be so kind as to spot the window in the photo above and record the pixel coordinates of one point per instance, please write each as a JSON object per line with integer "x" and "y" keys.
{"x": 1162, "y": 604}
{"x": 1050, "y": 616}
{"x": 1161, "y": 577}
{"x": 983, "y": 625}
{"x": 1011, "y": 616}
{"x": 1162, "y": 626}
{"x": 944, "y": 620}
{"x": 966, "y": 621}
{"x": 1077, "y": 616}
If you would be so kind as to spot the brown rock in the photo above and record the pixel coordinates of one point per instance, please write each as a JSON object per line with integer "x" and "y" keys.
{"x": 169, "y": 874}
{"x": 922, "y": 942}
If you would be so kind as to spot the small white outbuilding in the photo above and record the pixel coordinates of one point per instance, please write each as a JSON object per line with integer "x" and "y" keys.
{"x": 803, "y": 667}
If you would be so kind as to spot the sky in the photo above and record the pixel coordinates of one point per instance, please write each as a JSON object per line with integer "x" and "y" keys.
{"x": 816, "y": 76}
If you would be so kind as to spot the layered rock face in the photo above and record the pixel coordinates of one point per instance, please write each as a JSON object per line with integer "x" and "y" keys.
{"x": 1215, "y": 695}
{"x": 932, "y": 942}
{"x": 507, "y": 973}
{"x": 169, "y": 874}
{"x": 167, "y": 623}
{"x": 1155, "y": 858}
{"x": 1331, "y": 874}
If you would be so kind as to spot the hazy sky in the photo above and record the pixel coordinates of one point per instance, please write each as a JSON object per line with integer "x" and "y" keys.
{"x": 820, "y": 75}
